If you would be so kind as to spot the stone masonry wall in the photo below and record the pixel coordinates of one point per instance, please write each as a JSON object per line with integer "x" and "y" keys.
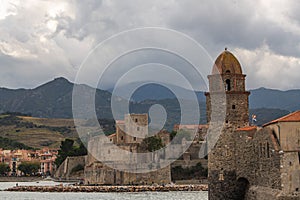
{"x": 65, "y": 169}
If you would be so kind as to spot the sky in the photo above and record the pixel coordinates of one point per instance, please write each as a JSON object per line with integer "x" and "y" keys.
{"x": 41, "y": 39}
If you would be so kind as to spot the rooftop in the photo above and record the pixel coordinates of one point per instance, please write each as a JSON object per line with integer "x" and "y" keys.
{"x": 227, "y": 63}
{"x": 247, "y": 128}
{"x": 292, "y": 117}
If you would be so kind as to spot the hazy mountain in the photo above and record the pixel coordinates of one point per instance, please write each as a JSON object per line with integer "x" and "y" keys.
{"x": 155, "y": 91}
{"x": 50, "y": 100}
{"x": 259, "y": 98}
{"x": 269, "y": 98}
{"x": 54, "y": 100}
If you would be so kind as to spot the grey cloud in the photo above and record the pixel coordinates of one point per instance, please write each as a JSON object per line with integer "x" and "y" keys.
{"x": 241, "y": 25}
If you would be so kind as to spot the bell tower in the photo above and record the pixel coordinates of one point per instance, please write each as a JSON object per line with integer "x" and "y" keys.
{"x": 228, "y": 81}
{"x": 227, "y": 77}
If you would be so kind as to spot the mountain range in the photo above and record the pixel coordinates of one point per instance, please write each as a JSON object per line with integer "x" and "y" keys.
{"x": 54, "y": 100}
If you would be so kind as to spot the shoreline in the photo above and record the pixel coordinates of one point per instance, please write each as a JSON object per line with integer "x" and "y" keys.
{"x": 106, "y": 189}
{"x": 21, "y": 178}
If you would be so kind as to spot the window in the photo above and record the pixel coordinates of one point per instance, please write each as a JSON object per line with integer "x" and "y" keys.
{"x": 233, "y": 106}
{"x": 227, "y": 85}
{"x": 136, "y": 120}
{"x": 122, "y": 137}
{"x": 134, "y": 138}
{"x": 227, "y": 72}
{"x": 138, "y": 128}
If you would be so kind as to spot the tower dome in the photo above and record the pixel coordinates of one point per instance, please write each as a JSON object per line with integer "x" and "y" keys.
{"x": 227, "y": 63}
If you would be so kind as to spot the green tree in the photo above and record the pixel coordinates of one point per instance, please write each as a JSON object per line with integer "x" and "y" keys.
{"x": 67, "y": 148}
{"x": 29, "y": 168}
{"x": 152, "y": 143}
{"x": 4, "y": 168}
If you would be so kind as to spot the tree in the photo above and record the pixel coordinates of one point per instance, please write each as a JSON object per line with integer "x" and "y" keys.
{"x": 152, "y": 143}
{"x": 4, "y": 168}
{"x": 67, "y": 148}
{"x": 29, "y": 168}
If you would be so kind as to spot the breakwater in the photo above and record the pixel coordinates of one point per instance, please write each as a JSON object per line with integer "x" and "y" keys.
{"x": 144, "y": 188}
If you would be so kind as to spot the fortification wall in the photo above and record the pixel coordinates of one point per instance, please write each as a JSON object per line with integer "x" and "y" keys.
{"x": 98, "y": 173}
{"x": 65, "y": 169}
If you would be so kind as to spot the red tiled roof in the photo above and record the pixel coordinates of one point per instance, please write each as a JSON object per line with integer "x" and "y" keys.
{"x": 247, "y": 128}
{"x": 292, "y": 117}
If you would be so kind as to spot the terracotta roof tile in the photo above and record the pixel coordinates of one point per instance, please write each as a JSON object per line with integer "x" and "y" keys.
{"x": 247, "y": 128}
{"x": 292, "y": 117}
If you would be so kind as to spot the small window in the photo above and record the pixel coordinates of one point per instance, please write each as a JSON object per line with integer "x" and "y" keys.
{"x": 291, "y": 164}
{"x": 134, "y": 138}
{"x": 227, "y": 85}
{"x": 226, "y": 121}
{"x": 233, "y": 106}
{"x": 136, "y": 120}
{"x": 138, "y": 128}
{"x": 122, "y": 137}
{"x": 227, "y": 72}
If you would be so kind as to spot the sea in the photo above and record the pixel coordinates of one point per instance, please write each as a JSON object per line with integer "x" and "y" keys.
{"x": 92, "y": 196}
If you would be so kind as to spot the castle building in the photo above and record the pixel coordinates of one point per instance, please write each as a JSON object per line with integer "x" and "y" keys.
{"x": 248, "y": 162}
{"x": 129, "y": 137}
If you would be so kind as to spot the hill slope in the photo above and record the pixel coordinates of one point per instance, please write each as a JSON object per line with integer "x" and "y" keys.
{"x": 50, "y": 100}
{"x": 54, "y": 100}
{"x": 30, "y": 132}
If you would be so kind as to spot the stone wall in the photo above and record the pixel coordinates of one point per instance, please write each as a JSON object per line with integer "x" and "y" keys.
{"x": 98, "y": 173}
{"x": 257, "y": 160}
{"x": 64, "y": 170}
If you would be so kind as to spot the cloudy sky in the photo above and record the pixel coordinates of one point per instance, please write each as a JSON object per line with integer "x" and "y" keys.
{"x": 41, "y": 40}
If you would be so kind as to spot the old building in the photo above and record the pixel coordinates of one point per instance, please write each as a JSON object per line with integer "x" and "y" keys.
{"x": 46, "y": 157}
{"x": 249, "y": 162}
{"x": 129, "y": 136}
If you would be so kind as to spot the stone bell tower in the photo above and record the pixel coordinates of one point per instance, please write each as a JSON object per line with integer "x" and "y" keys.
{"x": 228, "y": 80}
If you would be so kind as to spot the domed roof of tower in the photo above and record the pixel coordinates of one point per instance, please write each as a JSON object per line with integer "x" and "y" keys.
{"x": 227, "y": 63}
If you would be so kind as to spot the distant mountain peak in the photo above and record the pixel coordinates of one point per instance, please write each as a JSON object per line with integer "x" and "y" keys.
{"x": 56, "y": 82}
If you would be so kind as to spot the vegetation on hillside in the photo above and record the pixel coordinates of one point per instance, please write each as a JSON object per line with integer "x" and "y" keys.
{"x": 6, "y": 143}
{"x": 16, "y": 128}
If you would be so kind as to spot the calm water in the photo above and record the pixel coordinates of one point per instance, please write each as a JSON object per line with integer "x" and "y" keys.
{"x": 96, "y": 196}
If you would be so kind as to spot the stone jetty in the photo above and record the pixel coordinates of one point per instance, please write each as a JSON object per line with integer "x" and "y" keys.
{"x": 144, "y": 188}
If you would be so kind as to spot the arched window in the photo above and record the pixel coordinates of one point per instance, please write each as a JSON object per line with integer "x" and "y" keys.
{"x": 227, "y": 85}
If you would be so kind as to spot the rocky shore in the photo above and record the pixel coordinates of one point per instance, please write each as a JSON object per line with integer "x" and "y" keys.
{"x": 144, "y": 188}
